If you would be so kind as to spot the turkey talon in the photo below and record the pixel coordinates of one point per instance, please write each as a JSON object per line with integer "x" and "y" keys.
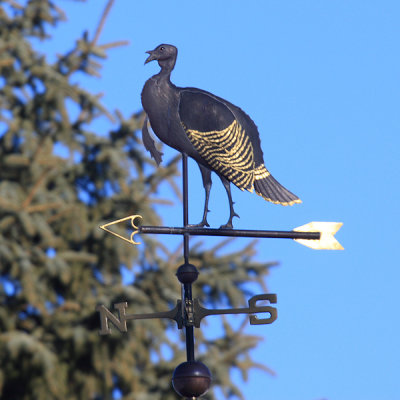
{"x": 202, "y": 224}
{"x": 226, "y": 226}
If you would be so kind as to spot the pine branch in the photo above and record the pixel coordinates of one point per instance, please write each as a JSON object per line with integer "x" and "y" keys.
{"x": 57, "y": 265}
{"x": 112, "y": 45}
{"x": 102, "y": 22}
{"x": 8, "y": 62}
{"x": 35, "y": 188}
{"x": 43, "y": 207}
{"x": 14, "y": 4}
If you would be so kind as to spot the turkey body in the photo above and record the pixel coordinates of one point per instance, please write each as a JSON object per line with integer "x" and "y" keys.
{"x": 218, "y": 135}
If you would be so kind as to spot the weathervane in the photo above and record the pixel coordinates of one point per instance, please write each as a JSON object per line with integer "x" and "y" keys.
{"x": 220, "y": 137}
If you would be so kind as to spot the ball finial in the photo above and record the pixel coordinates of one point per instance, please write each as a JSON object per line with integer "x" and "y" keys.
{"x": 187, "y": 273}
{"x": 191, "y": 379}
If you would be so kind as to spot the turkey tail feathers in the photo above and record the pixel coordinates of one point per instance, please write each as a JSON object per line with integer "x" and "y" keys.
{"x": 271, "y": 190}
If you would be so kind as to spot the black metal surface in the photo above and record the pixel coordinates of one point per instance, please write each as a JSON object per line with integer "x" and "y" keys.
{"x": 185, "y": 208}
{"x": 187, "y": 287}
{"x": 187, "y": 273}
{"x": 219, "y": 136}
{"x": 228, "y": 232}
{"x": 191, "y": 379}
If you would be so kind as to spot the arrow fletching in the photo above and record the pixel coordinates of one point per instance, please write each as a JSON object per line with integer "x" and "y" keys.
{"x": 327, "y": 240}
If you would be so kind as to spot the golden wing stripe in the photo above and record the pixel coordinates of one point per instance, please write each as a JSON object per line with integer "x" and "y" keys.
{"x": 261, "y": 172}
{"x": 229, "y": 151}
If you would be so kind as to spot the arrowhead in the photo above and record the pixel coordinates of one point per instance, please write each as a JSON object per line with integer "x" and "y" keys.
{"x": 132, "y": 218}
{"x": 327, "y": 240}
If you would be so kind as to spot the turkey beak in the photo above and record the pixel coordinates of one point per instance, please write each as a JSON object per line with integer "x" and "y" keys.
{"x": 151, "y": 57}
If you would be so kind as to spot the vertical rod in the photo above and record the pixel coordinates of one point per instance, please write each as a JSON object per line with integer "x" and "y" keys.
{"x": 189, "y": 329}
{"x": 187, "y": 287}
{"x": 185, "y": 207}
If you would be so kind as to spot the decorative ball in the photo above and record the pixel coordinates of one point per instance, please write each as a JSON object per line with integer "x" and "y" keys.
{"x": 187, "y": 273}
{"x": 191, "y": 379}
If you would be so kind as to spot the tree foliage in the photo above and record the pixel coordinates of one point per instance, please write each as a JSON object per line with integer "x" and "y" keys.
{"x": 60, "y": 180}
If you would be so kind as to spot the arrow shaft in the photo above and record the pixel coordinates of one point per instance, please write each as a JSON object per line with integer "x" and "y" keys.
{"x": 165, "y": 230}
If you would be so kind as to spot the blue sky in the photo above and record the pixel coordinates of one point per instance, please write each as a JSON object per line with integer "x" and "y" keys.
{"x": 321, "y": 81}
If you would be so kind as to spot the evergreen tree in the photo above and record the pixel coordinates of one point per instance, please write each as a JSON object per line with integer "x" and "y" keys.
{"x": 56, "y": 265}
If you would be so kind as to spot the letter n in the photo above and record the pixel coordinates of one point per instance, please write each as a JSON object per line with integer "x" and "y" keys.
{"x": 106, "y": 315}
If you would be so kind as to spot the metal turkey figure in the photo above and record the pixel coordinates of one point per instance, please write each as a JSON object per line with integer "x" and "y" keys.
{"x": 218, "y": 135}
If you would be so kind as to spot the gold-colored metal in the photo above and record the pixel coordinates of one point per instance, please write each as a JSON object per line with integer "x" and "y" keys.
{"x": 261, "y": 172}
{"x": 327, "y": 231}
{"x": 327, "y": 240}
{"x": 136, "y": 229}
{"x": 229, "y": 151}
{"x": 282, "y": 203}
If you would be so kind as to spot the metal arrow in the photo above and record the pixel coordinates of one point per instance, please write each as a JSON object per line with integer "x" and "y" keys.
{"x": 316, "y": 235}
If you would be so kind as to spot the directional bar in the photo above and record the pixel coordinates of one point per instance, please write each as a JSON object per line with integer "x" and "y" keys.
{"x": 316, "y": 235}
{"x": 193, "y": 307}
{"x": 165, "y": 230}
{"x": 107, "y": 316}
{"x": 200, "y": 312}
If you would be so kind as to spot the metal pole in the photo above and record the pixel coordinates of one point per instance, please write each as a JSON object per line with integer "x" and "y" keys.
{"x": 187, "y": 287}
{"x": 185, "y": 207}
